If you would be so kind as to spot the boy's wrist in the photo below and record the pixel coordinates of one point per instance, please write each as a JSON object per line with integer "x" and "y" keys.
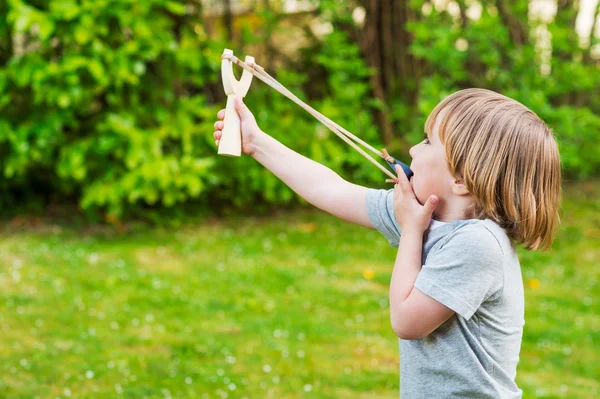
{"x": 257, "y": 143}
{"x": 412, "y": 232}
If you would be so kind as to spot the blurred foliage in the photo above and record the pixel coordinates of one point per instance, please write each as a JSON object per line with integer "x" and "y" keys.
{"x": 559, "y": 85}
{"x": 110, "y": 104}
{"x": 102, "y": 102}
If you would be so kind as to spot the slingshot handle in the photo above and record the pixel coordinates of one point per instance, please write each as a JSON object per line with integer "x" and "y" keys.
{"x": 231, "y": 138}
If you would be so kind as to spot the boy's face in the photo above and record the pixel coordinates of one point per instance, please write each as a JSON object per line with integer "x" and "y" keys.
{"x": 431, "y": 172}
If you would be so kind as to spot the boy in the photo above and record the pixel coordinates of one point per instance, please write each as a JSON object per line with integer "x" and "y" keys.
{"x": 486, "y": 178}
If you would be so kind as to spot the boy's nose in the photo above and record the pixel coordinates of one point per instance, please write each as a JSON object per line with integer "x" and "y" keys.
{"x": 412, "y": 151}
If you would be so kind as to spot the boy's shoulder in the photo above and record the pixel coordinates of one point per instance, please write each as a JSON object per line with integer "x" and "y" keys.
{"x": 471, "y": 235}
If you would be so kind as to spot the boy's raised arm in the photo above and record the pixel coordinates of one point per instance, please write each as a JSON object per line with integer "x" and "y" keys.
{"x": 317, "y": 184}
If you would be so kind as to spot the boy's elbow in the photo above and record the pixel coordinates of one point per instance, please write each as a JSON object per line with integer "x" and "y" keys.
{"x": 409, "y": 335}
{"x": 407, "y": 332}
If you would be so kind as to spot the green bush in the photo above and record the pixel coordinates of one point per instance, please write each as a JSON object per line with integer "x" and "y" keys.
{"x": 104, "y": 100}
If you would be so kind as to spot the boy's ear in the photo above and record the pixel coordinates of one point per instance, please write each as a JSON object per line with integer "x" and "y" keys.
{"x": 459, "y": 188}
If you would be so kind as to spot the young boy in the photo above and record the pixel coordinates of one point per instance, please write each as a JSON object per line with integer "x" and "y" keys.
{"x": 486, "y": 178}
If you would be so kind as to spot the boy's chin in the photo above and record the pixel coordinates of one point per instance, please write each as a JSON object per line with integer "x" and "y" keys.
{"x": 422, "y": 198}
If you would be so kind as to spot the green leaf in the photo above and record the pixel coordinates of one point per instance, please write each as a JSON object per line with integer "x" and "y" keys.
{"x": 82, "y": 34}
{"x": 63, "y": 101}
{"x": 64, "y": 9}
{"x": 175, "y": 7}
{"x": 46, "y": 26}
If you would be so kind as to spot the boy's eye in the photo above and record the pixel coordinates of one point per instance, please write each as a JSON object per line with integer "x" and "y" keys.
{"x": 426, "y": 139}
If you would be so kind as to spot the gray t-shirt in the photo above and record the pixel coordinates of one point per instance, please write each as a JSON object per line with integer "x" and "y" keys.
{"x": 472, "y": 267}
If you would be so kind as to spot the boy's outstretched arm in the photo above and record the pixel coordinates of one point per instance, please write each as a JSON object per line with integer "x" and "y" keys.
{"x": 317, "y": 184}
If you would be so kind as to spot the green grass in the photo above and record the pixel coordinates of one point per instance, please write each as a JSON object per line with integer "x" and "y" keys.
{"x": 259, "y": 308}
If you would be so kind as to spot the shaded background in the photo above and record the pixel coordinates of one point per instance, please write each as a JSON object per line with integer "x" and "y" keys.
{"x": 119, "y": 272}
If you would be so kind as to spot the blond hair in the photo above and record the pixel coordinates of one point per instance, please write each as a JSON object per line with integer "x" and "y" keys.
{"x": 507, "y": 158}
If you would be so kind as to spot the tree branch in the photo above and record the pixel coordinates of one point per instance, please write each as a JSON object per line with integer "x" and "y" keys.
{"x": 518, "y": 33}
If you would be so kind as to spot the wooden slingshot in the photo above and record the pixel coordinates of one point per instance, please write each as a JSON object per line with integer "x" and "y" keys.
{"x": 231, "y": 138}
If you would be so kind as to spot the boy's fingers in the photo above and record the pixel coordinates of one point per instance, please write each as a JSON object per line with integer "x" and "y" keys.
{"x": 217, "y": 142}
{"x": 221, "y": 114}
{"x": 219, "y": 125}
{"x": 397, "y": 192}
{"x": 217, "y": 135}
{"x": 403, "y": 180}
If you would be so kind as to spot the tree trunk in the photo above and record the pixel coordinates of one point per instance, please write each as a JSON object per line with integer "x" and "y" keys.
{"x": 385, "y": 46}
{"x": 517, "y": 27}
{"x": 228, "y": 19}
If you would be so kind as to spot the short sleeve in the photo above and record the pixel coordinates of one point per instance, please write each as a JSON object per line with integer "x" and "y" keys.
{"x": 464, "y": 272}
{"x": 380, "y": 208}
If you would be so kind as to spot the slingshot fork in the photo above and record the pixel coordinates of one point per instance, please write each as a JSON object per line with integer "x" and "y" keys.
{"x": 231, "y": 139}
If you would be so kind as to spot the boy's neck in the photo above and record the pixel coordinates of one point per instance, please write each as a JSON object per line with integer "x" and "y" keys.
{"x": 454, "y": 208}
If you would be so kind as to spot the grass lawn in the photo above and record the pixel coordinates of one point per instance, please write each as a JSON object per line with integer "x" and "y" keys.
{"x": 293, "y": 306}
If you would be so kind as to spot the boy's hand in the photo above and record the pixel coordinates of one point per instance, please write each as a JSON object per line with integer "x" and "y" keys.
{"x": 250, "y": 129}
{"x": 410, "y": 214}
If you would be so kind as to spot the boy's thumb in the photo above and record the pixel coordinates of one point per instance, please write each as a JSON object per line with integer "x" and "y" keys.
{"x": 431, "y": 203}
{"x": 241, "y": 108}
